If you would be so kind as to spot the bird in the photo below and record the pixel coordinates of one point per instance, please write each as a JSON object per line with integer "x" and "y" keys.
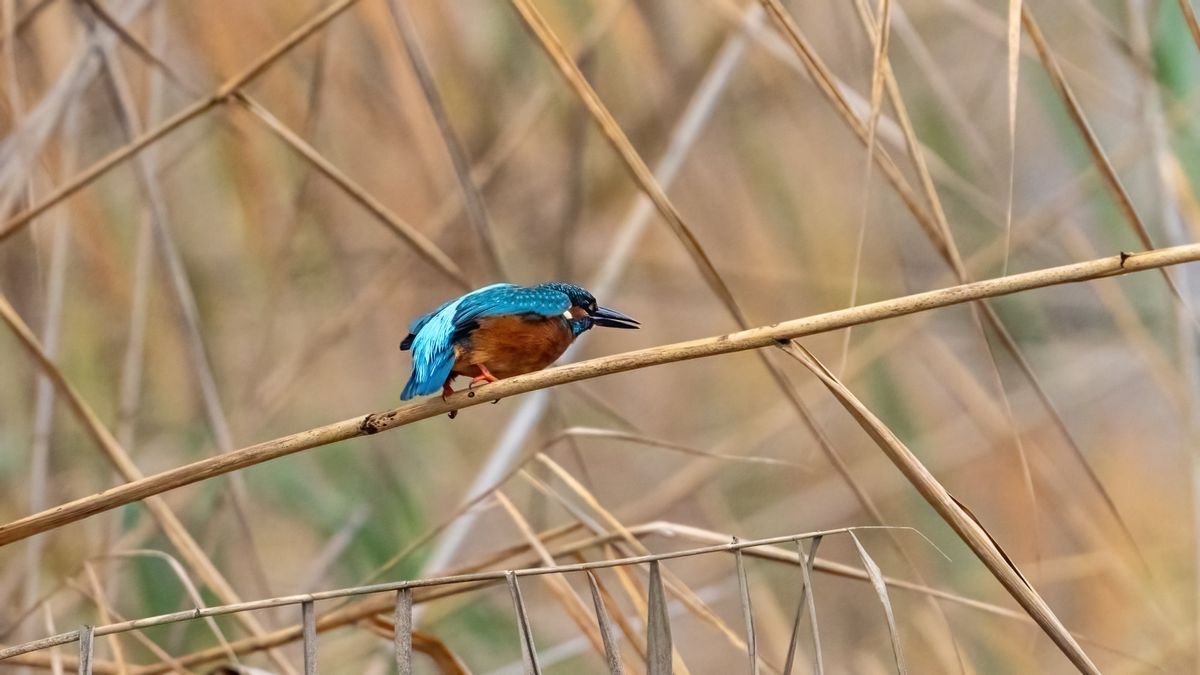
{"x": 499, "y": 331}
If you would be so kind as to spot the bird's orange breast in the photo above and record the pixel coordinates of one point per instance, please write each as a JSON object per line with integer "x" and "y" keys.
{"x": 512, "y": 345}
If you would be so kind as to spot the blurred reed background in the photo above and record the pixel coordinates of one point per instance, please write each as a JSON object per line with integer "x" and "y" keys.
{"x": 251, "y": 271}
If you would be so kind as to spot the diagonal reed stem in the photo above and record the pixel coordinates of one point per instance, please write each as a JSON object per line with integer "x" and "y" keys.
{"x": 754, "y": 338}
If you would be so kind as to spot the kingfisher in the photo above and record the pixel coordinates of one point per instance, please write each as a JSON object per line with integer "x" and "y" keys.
{"x": 499, "y": 331}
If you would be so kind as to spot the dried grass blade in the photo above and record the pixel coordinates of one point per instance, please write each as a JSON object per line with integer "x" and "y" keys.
{"x": 880, "y": 587}
{"x": 685, "y": 594}
{"x": 445, "y": 661}
{"x": 56, "y": 660}
{"x": 528, "y": 649}
{"x": 189, "y": 587}
{"x": 136, "y": 45}
{"x": 616, "y": 137}
{"x": 371, "y": 608}
{"x": 747, "y": 610}
{"x": 634, "y": 593}
{"x": 654, "y": 191}
{"x": 1014, "y": 70}
{"x": 968, "y": 529}
{"x": 612, "y": 656}
{"x": 87, "y": 636}
{"x": 308, "y": 619}
{"x": 44, "y": 404}
{"x": 185, "y": 297}
{"x": 409, "y": 234}
{"x": 939, "y": 233}
{"x": 631, "y": 437}
{"x": 102, "y": 166}
{"x": 402, "y": 635}
{"x": 102, "y": 614}
{"x": 562, "y": 591}
{"x": 807, "y": 598}
{"x": 879, "y": 72}
{"x": 1099, "y": 157}
{"x": 473, "y": 202}
{"x": 118, "y": 665}
{"x": 168, "y": 522}
{"x": 658, "y": 626}
{"x": 682, "y": 138}
{"x": 228, "y": 88}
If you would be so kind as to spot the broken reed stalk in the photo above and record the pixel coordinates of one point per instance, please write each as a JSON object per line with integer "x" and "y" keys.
{"x": 492, "y": 576}
{"x": 363, "y": 609}
{"x": 754, "y": 338}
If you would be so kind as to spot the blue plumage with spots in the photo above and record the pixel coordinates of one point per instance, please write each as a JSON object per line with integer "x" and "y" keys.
{"x": 499, "y": 331}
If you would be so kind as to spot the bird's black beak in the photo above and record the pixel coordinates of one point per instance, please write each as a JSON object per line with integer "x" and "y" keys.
{"x": 611, "y": 318}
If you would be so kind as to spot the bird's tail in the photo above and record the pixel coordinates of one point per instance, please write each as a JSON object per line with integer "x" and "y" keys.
{"x": 428, "y": 375}
{"x": 410, "y": 389}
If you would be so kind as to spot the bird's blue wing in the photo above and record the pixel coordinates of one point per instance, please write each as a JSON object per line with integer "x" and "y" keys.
{"x": 419, "y": 322}
{"x": 502, "y": 299}
{"x": 434, "y": 334}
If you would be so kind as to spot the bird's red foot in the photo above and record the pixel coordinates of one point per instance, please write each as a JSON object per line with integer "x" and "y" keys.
{"x": 484, "y": 375}
{"x": 446, "y": 391}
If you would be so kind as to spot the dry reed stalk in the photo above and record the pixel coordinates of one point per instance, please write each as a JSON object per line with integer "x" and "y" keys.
{"x": 559, "y": 587}
{"x": 755, "y": 338}
{"x": 940, "y": 235}
{"x": 413, "y": 237}
{"x": 683, "y": 136}
{"x": 981, "y": 315}
{"x": 269, "y": 393}
{"x": 949, "y": 100}
{"x": 103, "y": 616}
{"x": 1014, "y": 74}
{"x": 884, "y": 77}
{"x": 612, "y": 654}
{"x": 880, "y": 70}
{"x": 650, "y": 186}
{"x": 689, "y": 598}
{"x": 632, "y": 589}
{"x": 44, "y": 399}
{"x": 953, "y": 512}
{"x": 185, "y": 296}
{"x": 382, "y": 603}
{"x": 170, "y": 524}
{"x": 877, "y": 582}
{"x": 222, "y": 93}
{"x": 406, "y": 232}
{"x": 66, "y": 663}
{"x": 807, "y": 598}
{"x": 19, "y": 150}
{"x": 1099, "y": 157}
{"x": 149, "y": 644}
{"x": 476, "y": 209}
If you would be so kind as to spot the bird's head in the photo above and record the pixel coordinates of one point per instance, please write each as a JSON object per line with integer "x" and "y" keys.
{"x": 583, "y": 304}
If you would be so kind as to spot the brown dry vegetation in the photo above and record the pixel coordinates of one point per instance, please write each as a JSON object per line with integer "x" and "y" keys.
{"x": 220, "y": 217}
